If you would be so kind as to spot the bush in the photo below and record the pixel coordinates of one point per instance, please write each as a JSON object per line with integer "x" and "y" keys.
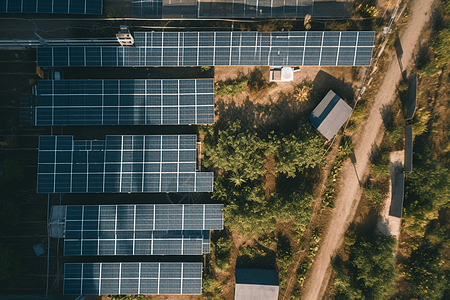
{"x": 394, "y": 134}
{"x": 440, "y": 48}
{"x": 373, "y": 194}
{"x": 211, "y": 288}
{"x": 235, "y": 150}
{"x": 426, "y": 274}
{"x": 285, "y": 258}
{"x": 298, "y": 151}
{"x": 232, "y": 88}
{"x": 222, "y": 251}
{"x": 370, "y": 271}
{"x": 381, "y": 170}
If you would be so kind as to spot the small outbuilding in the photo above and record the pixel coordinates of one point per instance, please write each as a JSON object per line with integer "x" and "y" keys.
{"x": 329, "y": 116}
{"x": 256, "y": 284}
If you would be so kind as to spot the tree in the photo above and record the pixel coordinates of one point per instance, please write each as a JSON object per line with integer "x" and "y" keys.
{"x": 246, "y": 210}
{"x": 426, "y": 273}
{"x": 235, "y": 150}
{"x": 293, "y": 206}
{"x": 298, "y": 151}
{"x": 370, "y": 269}
{"x": 427, "y": 190}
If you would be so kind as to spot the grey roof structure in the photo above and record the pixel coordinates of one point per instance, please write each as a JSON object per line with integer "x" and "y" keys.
{"x": 330, "y": 115}
{"x": 412, "y": 97}
{"x": 140, "y": 278}
{"x": 256, "y": 284}
{"x": 398, "y": 195}
{"x": 120, "y": 164}
{"x": 237, "y": 48}
{"x": 408, "y": 148}
{"x": 143, "y": 229}
{"x": 120, "y": 102}
{"x": 93, "y": 7}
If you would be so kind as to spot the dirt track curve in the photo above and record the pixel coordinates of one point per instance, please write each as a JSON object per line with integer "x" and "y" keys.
{"x": 349, "y": 193}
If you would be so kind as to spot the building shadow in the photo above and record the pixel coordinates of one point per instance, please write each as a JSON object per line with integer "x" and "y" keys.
{"x": 323, "y": 82}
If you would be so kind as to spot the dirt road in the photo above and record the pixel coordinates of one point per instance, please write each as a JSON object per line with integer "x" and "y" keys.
{"x": 349, "y": 193}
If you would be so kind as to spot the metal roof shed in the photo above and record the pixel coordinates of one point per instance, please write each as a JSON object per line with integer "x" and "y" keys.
{"x": 330, "y": 115}
{"x": 256, "y": 284}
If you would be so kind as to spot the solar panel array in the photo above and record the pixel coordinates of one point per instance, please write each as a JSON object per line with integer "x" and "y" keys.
{"x": 121, "y": 164}
{"x": 140, "y": 229}
{"x": 255, "y": 8}
{"x": 92, "y": 7}
{"x": 124, "y": 102}
{"x": 146, "y": 8}
{"x": 132, "y": 278}
{"x": 222, "y": 48}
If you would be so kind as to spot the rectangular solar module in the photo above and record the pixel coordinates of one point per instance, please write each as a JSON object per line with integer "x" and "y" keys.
{"x": 90, "y": 7}
{"x": 142, "y": 278}
{"x": 297, "y": 48}
{"x": 123, "y": 102}
{"x": 120, "y": 164}
{"x": 143, "y": 229}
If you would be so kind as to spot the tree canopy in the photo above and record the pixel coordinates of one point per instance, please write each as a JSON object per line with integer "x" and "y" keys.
{"x": 370, "y": 271}
{"x": 299, "y": 150}
{"x": 426, "y": 273}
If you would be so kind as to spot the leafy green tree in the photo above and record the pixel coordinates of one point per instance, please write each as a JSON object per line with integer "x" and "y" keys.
{"x": 298, "y": 151}
{"x": 370, "y": 270}
{"x": 235, "y": 150}
{"x": 293, "y": 206}
{"x": 10, "y": 265}
{"x": 246, "y": 209}
{"x": 440, "y": 48}
{"x": 427, "y": 190}
{"x": 426, "y": 273}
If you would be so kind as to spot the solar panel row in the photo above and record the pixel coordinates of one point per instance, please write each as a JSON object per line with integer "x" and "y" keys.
{"x": 110, "y": 242}
{"x": 121, "y": 164}
{"x": 143, "y": 229}
{"x": 132, "y": 278}
{"x": 222, "y": 48}
{"x": 123, "y": 102}
{"x": 93, "y": 7}
{"x": 145, "y": 217}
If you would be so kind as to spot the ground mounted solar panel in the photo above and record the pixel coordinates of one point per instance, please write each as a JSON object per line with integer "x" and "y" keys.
{"x": 123, "y": 102}
{"x": 133, "y": 278}
{"x": 90, "y": 7}
{"x": 143, "y": 229}
{"x": 120, "y": 164}
{"x": 297, "y": 48}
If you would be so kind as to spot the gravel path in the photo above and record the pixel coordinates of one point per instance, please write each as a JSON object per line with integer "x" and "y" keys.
{"x": 347, "y": 198}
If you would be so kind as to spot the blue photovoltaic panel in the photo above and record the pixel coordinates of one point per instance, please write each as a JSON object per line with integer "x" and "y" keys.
{"x": 90, "y": 7}
{"x": 140, "y": 229}
{"x": 143, "y": 278}
{"x": 298, "y": 48}
{"x": 123, "y": 102}
{"x": 121, "y": 164}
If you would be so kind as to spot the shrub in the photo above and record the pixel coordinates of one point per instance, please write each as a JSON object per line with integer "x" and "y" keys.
{"x": 373, "y": 194}
{"x": 222, "y": 250}
{"x": 211, "y": 288}
{"x": 381, "y": 170}
{"x": 233, "y": 88}
{"x": 370, "y": 271}
{"x": 394, "y": 134}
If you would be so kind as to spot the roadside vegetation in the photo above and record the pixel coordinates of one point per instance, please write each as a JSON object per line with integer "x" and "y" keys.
{"x": 425, "y": 250}
{"x": 246, "y": 160}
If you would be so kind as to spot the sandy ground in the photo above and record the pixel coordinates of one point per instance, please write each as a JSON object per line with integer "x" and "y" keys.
{"x": 389, "y": 225}
{"x": 349, "y": 193}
